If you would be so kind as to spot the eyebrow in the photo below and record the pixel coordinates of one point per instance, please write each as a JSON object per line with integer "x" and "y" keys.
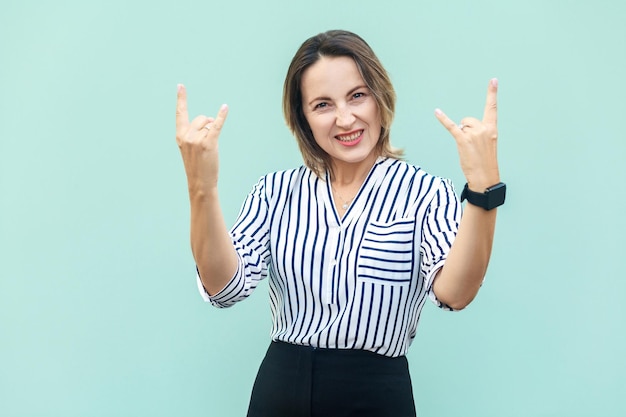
{"x": 328, "y": 98}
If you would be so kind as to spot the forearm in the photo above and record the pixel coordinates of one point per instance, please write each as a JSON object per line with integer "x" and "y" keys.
{"x": 464, "y": 269}
{"x": 458, "y": 282}
{"x": 211, "y": 243}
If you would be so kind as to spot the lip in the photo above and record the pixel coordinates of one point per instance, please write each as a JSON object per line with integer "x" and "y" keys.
{"x": 352, "y": 142}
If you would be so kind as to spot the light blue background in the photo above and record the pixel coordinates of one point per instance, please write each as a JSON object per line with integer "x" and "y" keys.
{"x": 99, "y": 314}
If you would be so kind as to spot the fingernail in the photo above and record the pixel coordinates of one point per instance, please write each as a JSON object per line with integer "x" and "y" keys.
{"x": 224, "y": 107}
{"x": 179, "y": 87}
{"x": 438, "y": 112}
{"x": 494, "y": 82}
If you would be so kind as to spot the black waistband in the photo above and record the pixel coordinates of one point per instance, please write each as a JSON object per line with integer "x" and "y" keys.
{"x": 349, "y": 355}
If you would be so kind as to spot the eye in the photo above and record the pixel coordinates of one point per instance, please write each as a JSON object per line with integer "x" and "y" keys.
{"x": 358, "y": 95}
{"x": 321, "y": 105}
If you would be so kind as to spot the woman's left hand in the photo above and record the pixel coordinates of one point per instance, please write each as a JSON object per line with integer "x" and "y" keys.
{"x": 476, "y": 141}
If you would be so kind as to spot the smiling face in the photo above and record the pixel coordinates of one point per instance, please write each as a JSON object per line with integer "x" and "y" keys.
{"x": 341, "y": 112}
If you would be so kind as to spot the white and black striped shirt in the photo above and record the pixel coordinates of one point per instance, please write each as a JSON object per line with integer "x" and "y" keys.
{"x": 357, "y": 282}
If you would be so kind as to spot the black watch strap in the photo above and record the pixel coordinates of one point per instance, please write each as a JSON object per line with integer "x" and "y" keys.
{"x": 493, "y": 196}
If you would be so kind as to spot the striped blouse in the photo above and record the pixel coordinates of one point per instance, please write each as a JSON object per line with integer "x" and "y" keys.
{"x": 352, "y": 282}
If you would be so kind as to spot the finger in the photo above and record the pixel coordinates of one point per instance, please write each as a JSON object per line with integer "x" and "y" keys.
{"x": 448, "y": 123}
{"x": 199, "y": 122}
{"x": 209, "y": 124}
{"x": 470, "y": 122}
{"x": 490, "y": 115}
{"x": 221, "y": 118}
{"x": 182, "y": 116}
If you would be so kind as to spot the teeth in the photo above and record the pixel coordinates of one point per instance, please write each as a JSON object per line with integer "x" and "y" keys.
{"x": 350, "y": 137}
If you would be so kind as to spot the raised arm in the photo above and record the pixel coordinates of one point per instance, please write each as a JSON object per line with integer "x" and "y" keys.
{"x": 457, "y": 283}
{"x": 211, "y": 244}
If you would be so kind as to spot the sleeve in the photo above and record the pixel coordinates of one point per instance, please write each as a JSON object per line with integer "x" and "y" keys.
{"x": 250, "y": 236}
{"x": 438, "y": 232}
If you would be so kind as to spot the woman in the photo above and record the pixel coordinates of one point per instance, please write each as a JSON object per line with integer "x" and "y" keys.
{"x": 353, "y": 241}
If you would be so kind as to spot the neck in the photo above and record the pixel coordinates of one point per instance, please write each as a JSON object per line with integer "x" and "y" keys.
{"x": 346, "y": 175}
{"x": 346, "y": 181}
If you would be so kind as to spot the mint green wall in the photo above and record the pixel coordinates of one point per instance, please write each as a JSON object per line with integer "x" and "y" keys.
{"x": 99, "y": 314}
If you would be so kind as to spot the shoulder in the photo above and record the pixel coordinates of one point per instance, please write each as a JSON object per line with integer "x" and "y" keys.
{"x": 279, "y": 182}
{"x": 406, "y": 171}
{"x": 419, "y": 185}
{"x": 286, "y": 176}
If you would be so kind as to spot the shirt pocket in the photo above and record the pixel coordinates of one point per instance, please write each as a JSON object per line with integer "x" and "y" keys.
{"x": 387, "y": 252}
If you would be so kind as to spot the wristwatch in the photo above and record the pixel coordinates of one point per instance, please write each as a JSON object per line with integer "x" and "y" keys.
{"x": 490, "y": 199}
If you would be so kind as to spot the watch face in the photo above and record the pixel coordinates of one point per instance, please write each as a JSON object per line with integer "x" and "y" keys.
{"x": 495, "y": 196}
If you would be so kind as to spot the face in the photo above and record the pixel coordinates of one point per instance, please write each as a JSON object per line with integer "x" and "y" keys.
{"x": 341, "y": 112}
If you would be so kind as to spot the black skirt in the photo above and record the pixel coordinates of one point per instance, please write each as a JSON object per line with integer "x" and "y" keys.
{"x": 300, "y": 381}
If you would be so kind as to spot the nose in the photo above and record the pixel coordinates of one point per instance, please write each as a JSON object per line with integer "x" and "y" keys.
{"x": 344, "y": 117}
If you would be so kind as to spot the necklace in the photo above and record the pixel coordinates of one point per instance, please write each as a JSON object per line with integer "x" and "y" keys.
{"x": 344, "y": 203}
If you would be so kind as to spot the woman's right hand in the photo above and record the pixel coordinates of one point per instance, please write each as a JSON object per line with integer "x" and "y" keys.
{"x": 198, "y": 144}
